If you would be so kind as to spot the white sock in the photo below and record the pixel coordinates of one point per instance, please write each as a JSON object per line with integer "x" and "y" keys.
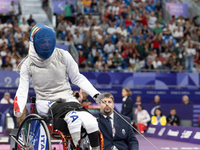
{"x": 76, "y": 137}
{"x": 96, "y": 148}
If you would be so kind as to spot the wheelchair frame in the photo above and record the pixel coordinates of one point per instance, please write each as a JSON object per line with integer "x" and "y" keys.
{"x": 50, "y": 132}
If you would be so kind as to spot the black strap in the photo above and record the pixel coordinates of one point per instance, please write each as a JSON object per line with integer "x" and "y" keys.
{"x": 61, "y": 109}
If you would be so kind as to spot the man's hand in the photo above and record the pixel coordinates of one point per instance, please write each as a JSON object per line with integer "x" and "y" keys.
{"x": 98, "y": 97}
{"x": 78, "y": 95}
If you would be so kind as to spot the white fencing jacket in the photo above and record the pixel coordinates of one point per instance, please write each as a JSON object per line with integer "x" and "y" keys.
{"x": 49, "y": 78}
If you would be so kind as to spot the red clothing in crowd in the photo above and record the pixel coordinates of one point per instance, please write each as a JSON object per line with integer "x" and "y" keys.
{"x": 144, "y": 21}
{"x": 156, "y": 44}
{"x": 106, "y": 15}
{"x": 128, "y": 23}
{"x": 81, "y": 60}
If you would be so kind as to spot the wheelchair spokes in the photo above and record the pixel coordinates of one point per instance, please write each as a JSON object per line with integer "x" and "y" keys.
{"x": 32, "y": 134}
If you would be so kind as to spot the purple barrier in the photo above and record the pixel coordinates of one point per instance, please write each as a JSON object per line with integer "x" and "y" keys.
{"x": 4, "y": 6}
{"x": 177, "y": 9}
{"x": 177, "y": 133}
{"x": 58, "y": 6}
{"x": 170, "y": 87}
{"x": 4, "y": 108}
{"x": 65, "y": 47}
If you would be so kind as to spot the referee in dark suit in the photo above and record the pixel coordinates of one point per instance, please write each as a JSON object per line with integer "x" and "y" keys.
{"x": 118, "y": 135}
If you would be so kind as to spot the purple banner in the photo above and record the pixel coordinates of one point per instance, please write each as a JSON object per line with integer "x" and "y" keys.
{"x": 65, "y": 47}
{"x": 58, "y": 6}
{"x": 170, "y": 87}
{"x": 177, "y": 133}
{"x": 4, "y": 6}
{"x": 177, "y": 9}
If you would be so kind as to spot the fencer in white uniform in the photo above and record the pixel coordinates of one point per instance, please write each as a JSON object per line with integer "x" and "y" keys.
{"x": 49, "y": 68}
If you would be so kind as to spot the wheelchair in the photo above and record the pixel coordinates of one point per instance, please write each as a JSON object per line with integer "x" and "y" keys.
{"x": 35, "y": 133}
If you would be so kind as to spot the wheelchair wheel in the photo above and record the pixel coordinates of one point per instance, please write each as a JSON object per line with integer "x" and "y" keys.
{"x": 33, "y": 134}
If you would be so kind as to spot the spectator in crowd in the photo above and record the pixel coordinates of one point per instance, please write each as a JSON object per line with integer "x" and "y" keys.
{"x": 61, "y": 29}
{"x": 24, "y": 26}
{"x": 1, "y": 25}
{"x": 93, "y": 6}
{"x": 172, "y": 118}
{"x": 117, "y": 59}
{"x": 157, "y": 64}
{"x": 3, "y": 39}
{"x": 7, "y": 26}
{"x": 189, "y": 56}
{"x": 127, "y": 103}
{"x": 108, "y": 48}
{"x": 158, "y": 118}
{"x": 104, "y": 25}
{"x": 78, "y": 39}
{"x": 156, "y": 100}
{"x": 121, "y": 30}
{"x": 167, "y": 31}
{"x": 45, "y": 4}
{"x": 13, "y": 10}
{"x": 87, "y": 3}
{"x": 152, "y": 21}
{"x": 30, "y": 20}
{"x": 17, "y": 35}
{"x": 149, "y": 66}
{"x": 166, "y": 54}
{"x": 138, "y": 100}
{"x": 172, "y": 25}
{"x": 116, "y": 132}
{"x": 157, "y": 29}
{"x": 7, "y": 65}
{"x": 6, "y": 99}
{"x": 80, "y": 7}
{"x": 181, "y": 20}
{"x": 111, "y": 30}
{"x": 137, "y": 28}
{"x": 67, "y": 11}
{"x": 81, "y": 59}
{"x": 99, "y": 64}
{"x": 142, "y": 118}
{"x": 128, "y": 22}
{"x": 158, "y": 7}
{"x": 178, "y": 34}
{"x": 186, "y": 100}
{"x": 86, "y": 100}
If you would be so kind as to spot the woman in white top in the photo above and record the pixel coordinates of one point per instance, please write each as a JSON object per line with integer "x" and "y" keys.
{"x": 142, "y": 118}
{"x": 189, "y": 56}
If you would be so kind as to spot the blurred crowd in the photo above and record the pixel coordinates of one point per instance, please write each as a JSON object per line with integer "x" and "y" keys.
{"x": 14, "y": 41}
{"x": 132, "y": 36}
{"x": 127, "y": 35}
{"x": 141, "y": 118}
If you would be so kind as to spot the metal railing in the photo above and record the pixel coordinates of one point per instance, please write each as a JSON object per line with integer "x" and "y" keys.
{"x": 134, "y": 86}
{"x": 132, "y": 71}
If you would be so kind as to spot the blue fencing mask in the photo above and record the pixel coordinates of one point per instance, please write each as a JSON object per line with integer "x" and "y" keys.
{"x": 44, "y": 40}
